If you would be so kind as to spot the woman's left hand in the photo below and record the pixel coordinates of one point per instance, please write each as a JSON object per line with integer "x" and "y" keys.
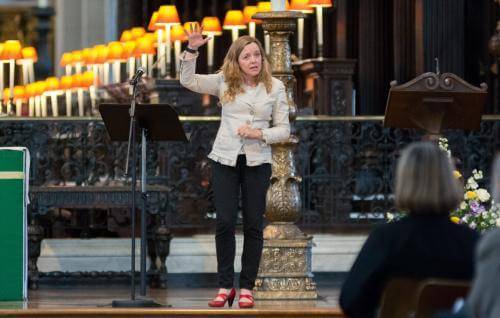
{"x": 248, "y": 132}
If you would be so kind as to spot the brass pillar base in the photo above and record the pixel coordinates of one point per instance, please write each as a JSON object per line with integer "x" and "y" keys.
{"x": 285, "y": 270}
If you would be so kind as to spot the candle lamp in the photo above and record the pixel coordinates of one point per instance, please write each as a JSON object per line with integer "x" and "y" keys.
{"x": 30, "y": 95}
{"x": 160, "y": 43}
{"x": 248, "y": 12}
{"x": 77, "y": 84}
{"x": 301, "y": 6}
{"x": 101, "y": 60}
{"x": 40, "y": 100}
{"x": 66, "y": 84}
{"x": 53, "y": 90}
{"x": 11, "y": 52}
{"x": 234, "y": 21}
{"x": 212, "y": 28}
{"x": 126, "y": 36}
{"x": 319, "y": 5}
{"x": 77, "y": 61}
{"x": 66, "y": 61}
{"x": 88, "y": 80}
{"x": 167, "y": 17}
{"x": 144, "y": 47}
{"x": 19, "y": 99}
{"x": 178, "y": 36}
{"x": 265, "y": 6}
{"x": 29, "y": 57}
{"x": 115, "y": 56}
{"x": 6, "y": 99}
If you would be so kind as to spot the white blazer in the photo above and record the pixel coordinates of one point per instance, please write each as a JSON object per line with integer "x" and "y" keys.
{"x": 254, "y": 107}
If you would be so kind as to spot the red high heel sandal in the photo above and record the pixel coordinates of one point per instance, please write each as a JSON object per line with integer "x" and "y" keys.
{"x": 229, "y": 298}
{"x": 246, "y": 304}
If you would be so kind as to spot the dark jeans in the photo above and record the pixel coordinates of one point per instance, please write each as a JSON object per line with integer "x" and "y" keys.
{"x": 227, "y": 182}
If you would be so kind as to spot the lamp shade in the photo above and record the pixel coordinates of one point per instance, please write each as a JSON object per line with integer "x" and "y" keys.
{"x": 11, "y": 50}
{"x": 248, "y": 12}
{"x": 101, "y": 53}
{"x": 66, "y": 59}
{"x": 128, "y": 49}
{"x": 87, "y": 79}
{"x": 39, "y": 88}
{"x": 301, "y": 5}
{"x": 1, "y": 50}
{"x": 6, "y": 94}
{"x": 320, "y": 3}
{"x": 177, "y": 33}
{"x": 29, "y": 53}
{"x": 234, "y": 20}
{"x": 263, "y": 6}
{"x": 52, "y": 84}
{"x": 76, "y": 80}
{"x": 30, "y": 90}
{"x": 66, "y": 82}
{"x": 76, "y": 57}
{"x": 137, "y": 32}
{"x": 144, "y": 45}
{"x": 115, "y": 51}
{"x": 168, "y": 15}
{"x": 211, "y": 25}
{"x": 89, "y": 56}
{"x": 152, "y": 26}
{"x": 126, "y": 36}
{"x": 19, "y": 93}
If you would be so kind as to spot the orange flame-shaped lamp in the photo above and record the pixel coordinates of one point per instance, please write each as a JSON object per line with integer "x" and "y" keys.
{"x": 248, "y": 12}
{"x": 115, "y": 56}
{"x": 53, "y": 90}
{"x": 30, "y": 95}
{"x": 178, "y": 36}
{"x": 66, "y": 61}
{"x": 300, "y": 6}
{"x": 167, "y": 17}
{"x": 128, "y": 53}
{"x": 77, "y": 60}
{"x": 319, "y": 5}
{"x": 11, "y": 52}
{"x": 101, "y": 59}
{"x": 137, "y": 32}
{"x": 126, "y": 36}
{"x": 40, "y": 101}
{"x": 29, "y": 57}
{"x": 211, "y": 28}
{"x": 234, "y": 21}
{"x": 66, "y": 84}
{"x": 19, "y": 99}
{"x": 144, "y": 48}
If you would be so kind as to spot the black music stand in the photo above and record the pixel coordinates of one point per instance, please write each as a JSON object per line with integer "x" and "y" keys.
{"x": 157, "y": 123}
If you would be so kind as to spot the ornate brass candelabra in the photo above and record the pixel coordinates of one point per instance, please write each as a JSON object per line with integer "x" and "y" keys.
{"x": 285, "y": 267}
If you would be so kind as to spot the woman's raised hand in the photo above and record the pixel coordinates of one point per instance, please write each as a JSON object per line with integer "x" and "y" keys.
{"x": 195, "y": 38}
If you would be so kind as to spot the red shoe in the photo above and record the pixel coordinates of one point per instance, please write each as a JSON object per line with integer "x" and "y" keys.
{"x": 246, "y": 304}
{"x": 229, "y": 298}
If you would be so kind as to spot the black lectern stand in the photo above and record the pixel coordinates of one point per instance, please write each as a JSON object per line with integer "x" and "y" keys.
{"x": 156, "y": 123}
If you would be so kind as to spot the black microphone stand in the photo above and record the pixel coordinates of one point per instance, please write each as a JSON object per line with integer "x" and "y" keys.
{"x": 133, "y": 302}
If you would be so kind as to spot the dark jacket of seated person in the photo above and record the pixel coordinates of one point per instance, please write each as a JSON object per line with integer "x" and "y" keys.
{"x": 423, "y": 244}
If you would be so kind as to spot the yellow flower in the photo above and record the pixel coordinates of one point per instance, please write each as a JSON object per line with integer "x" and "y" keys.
{"x": 457, "y": 174}
{"x": 455, "y": 219}
{"x": 470, "y": 195}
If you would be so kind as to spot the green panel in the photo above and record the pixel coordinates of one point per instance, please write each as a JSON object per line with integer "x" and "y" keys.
{"x": 11, "y": 239}
{"x": 11, "y": 160}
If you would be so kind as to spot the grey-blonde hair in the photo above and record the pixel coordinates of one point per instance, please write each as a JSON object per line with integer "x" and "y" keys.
{"x": 425, "y": 183}
{"x": 495, "y": 179}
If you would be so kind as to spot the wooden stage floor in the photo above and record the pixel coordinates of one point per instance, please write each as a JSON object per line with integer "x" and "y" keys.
{"x": 94, "y": 300}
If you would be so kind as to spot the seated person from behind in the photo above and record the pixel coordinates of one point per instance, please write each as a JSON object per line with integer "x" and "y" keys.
{"x": 423, "y": 244}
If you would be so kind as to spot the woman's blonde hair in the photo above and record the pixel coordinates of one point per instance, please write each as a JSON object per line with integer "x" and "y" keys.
{"x": 233, "y": 75}
{"x": 495, "y": 179}
{"x": 425, "y": 183}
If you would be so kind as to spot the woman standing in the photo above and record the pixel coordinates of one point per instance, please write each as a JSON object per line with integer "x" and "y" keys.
{"x": 241, "y": 160}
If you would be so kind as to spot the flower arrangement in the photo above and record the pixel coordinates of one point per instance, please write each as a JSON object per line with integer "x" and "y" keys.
{"x": 477, "y": 210}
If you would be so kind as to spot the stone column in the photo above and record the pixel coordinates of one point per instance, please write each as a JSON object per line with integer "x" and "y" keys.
{"x": 285, "y": 267}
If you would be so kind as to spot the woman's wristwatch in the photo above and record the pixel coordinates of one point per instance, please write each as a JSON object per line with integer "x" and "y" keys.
{"x": 190, "y": 50}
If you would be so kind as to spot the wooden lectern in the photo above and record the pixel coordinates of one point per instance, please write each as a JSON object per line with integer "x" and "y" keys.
{"x": 434, "y": 102}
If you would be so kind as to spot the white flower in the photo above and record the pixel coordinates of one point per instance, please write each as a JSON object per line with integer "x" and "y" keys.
{"x": 471, "y": 184}
{"x": 390, "y": 216}
{"x": 498, "y": 222}
{"x": 478, "y": 175}
{"x": 463, "y": 205}
{"x": 483, "y": 195}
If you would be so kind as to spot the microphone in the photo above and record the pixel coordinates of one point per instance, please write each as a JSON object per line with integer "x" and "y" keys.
{"x": 137, "y": 76}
